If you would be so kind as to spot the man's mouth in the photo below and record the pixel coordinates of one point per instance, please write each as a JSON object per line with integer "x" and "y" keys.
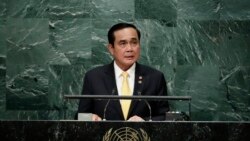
{"x": 129, "y": 57}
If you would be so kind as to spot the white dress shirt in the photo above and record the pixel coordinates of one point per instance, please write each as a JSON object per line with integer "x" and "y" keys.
{"x": 119, "y": 78}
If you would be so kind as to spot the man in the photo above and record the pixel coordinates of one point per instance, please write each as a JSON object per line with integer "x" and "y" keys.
{"x": 124, "y": 46}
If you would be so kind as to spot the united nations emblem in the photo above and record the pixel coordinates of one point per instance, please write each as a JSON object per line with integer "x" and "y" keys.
{"x": 126, "y": 134}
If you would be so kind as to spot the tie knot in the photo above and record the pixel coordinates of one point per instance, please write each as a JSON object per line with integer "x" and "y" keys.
{"x": 124, "y": 74}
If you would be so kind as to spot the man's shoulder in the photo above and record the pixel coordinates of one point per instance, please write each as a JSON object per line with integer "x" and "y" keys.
{"x": 148, "y": 69}
{"x": 98, "y": 69}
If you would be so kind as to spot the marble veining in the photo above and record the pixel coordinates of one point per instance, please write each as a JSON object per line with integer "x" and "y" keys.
{"x": 202, "y": 47}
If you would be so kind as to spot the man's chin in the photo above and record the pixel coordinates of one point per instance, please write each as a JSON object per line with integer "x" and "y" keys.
{"x": 130, "y": 61}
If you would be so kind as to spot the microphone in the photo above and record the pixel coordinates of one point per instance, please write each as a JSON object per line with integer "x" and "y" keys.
{"x": 149, "y": 107}
{"x": 105, "y": 108}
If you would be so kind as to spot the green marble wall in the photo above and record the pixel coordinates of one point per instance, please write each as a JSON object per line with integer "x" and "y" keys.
{"x": 202, "y": 46}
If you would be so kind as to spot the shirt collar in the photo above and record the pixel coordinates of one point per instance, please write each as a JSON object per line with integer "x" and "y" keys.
{"x": 118, "y": 70}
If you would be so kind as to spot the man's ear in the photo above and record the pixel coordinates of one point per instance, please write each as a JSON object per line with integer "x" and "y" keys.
{"x": 111, "y": 49}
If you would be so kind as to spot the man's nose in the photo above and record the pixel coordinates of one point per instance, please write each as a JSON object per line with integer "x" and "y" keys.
{"x": 129, "y": 46}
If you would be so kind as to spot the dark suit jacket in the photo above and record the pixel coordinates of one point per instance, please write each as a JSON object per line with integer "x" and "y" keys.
{"x": 101, "y": 81}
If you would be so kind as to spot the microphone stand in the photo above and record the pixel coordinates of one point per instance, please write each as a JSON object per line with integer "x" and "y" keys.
{"x": 139, "y": 93}
{"x": 105, "y": 108}
{"x": 104, "y": 111}
{"x": 149, "y": 107}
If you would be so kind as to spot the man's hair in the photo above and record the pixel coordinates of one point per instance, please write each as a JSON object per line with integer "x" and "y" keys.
{"x": 119, "y": 26}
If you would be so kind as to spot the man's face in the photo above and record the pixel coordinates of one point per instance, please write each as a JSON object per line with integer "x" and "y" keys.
{"x": 126, "y": 48}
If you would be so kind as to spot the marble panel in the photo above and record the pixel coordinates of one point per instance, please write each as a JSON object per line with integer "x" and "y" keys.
{"x": 27, "y": 8}
{"x": 116, "y": 9}
{"x": 209, "y": 100}
{"x": 235, "y": 43}
{"x": 237, "y": 83}
{"x": 2, "y": 37}
{"x": 28, "y": 44}
{"x": 49, "y": 9}
{"x": 224, "y": 44}
{"x": 160, "y": 10}
{"x": 3, "y": 8}
{"x": 197, "y": 41}
{"x": 27, "y": 55}
{"x": 235, "y": 10}
{"x": 71, "y": 37}
{"x": 2, "y": 66}
{"x": 198, "y": 9}
{"x": 27, "y": 90}
{"x": 70, "y": 9}
{"x": 2, "y": 88}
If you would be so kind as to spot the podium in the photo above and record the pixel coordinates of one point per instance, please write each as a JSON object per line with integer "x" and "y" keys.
{"x": 121, "y": 131}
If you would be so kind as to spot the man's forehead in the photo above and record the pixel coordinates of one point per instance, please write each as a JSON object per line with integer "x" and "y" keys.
{"x": 126, "y": 29}
{"x": 123, "y": 34}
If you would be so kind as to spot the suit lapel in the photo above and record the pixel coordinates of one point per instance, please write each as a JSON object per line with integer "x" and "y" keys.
{"x": 137, "y": 86}
{"x": 110, "y": 84}
{"x": 109, "y": 79}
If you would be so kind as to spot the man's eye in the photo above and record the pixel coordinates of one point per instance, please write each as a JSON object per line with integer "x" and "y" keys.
{"x": 134, "y": 42}
{"x": 123, "y": 43}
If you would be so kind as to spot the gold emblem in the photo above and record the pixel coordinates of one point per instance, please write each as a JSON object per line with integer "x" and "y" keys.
{"x": 126, "y": 134}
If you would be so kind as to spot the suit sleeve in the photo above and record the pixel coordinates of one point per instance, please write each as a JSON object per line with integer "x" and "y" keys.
{"x": 85, "y": 104}
{"x": 161, "y": 107}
